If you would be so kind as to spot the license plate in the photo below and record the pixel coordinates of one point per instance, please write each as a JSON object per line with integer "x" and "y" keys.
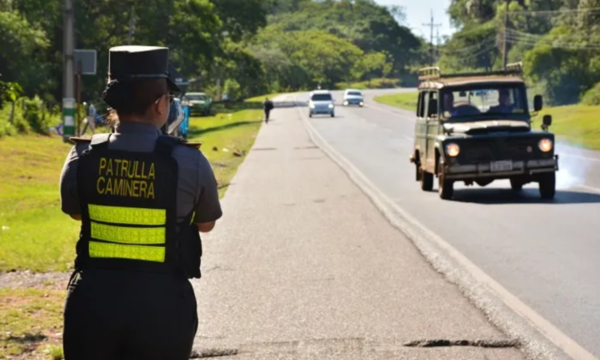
{"x": 501, "y": 166}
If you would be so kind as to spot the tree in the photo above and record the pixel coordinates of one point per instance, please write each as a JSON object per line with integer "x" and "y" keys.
{"x": 21, "y": 42}
{"x": 10, "y": 92}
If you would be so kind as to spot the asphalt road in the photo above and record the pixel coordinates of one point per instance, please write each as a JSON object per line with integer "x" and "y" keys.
{"x": 544, "y": 252}
{"x": 304, "y": 266}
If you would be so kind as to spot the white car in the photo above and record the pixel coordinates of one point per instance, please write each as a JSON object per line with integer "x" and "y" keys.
{"x": 353, "y": 97}
{"x": 321, "y": 102}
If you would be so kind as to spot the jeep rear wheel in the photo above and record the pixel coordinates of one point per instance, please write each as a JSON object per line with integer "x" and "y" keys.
{"x": 547, "y": 185}
{"x": 445, "y": 187}
{"x": 426, "y": 180}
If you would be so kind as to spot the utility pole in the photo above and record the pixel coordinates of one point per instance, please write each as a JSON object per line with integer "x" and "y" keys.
{"x": 131, "y": 27}
{"x": 69, "y": 76}
{"x": 431, "y": 24}
{"x": 505, "y": 45}
{"x": 437, "y": 40}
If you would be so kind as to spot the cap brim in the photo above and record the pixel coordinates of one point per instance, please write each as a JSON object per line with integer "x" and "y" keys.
{"x": 172, "y": 86}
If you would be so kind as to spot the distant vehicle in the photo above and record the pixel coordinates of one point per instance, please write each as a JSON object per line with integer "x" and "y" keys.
{"x": 476, "y": 128}
{"x": 353, "y": 97}
{"x": 198, "y": 102}
{"x": 321, "y": 102}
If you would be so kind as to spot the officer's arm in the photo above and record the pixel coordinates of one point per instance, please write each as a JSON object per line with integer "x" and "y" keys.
{"x": 208, "y": 207}
{"x": 69, "y": 198}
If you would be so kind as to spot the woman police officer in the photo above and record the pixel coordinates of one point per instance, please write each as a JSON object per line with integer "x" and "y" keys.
{"x": 142, "y": 198}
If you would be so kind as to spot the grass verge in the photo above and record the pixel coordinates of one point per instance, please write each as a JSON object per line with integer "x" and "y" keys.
{"x": 406, "y": 101}
{"x": 373, "y": 84}
{"x": 261, "y": 98}
{"x": 226, "y": 139}
{"x": 35, "y": 235}
{"x": 574, "y": 124}
{"x": 31, "y": 324}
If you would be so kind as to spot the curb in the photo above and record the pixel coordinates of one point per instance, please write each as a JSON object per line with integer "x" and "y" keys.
{"x": 538, "y": 337}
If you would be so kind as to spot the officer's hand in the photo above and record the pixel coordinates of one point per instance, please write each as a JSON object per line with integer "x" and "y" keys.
{"x": 206, "y": 227}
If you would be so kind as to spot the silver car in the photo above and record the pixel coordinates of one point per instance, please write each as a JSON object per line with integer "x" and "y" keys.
{"x": 321, "y": 102}
{"x": 353, "y": 97}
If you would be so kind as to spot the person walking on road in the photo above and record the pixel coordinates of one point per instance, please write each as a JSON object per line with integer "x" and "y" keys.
{"x": 142, "y": 198}
{"x": 267, "y": 107}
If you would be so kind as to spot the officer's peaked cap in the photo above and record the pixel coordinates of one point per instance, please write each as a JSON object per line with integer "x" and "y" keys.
{"x": 133, "y": 62}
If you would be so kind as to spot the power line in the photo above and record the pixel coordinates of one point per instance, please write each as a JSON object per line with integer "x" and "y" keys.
{"x": 470, "y": 48}
{"x": 482, "y": 51}
{"x": 552, "y": 12}
{"x": 432, "y": 25}
{"x": 554, "y": 43}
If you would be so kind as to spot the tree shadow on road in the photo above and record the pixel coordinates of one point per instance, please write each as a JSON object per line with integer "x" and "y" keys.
{"x": 526, "y": 196}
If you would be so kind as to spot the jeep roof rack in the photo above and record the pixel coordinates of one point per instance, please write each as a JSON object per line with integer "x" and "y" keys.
{"x": 434, "y": 73}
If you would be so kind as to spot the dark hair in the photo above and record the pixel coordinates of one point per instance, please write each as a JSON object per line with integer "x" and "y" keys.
{"x": 133, "y": 97}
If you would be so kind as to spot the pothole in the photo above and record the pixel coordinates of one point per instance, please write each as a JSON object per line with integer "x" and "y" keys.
{"x": 264, "y": 149}
{"x": 306, "y": 147}
{"x": 210, "y": 353}
{"x": 475, "y": 343}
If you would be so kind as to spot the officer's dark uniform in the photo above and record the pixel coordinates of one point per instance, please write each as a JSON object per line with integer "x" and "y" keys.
{"x": 139, "y": 194}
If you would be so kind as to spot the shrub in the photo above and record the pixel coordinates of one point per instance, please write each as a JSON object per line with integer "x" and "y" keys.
{"x": 35, "y": 115}
{"x": 592, "y": 96}
{"x": 232, "y": 88}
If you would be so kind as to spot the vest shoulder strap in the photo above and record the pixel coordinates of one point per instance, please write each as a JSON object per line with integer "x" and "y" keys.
{"x": 193, "y": 144}
{"x": 100, "y": 141}
{"x": 79, "y": 140}
{"x": 166, "y": 143}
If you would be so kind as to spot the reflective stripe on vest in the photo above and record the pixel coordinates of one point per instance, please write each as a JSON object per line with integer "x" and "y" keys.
{"x": 127, "y": 233}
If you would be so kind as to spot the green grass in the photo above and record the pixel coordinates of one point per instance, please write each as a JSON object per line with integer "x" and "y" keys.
{"x": 34, "y": 233}
{"x": 577, "y": 125}
{"x": 31, "y": 323}
{"x": 373, "y": 84}
{"x": 406, "y": 101}
{"x": 37, "y": 236}
{"x": 261, "y": 98}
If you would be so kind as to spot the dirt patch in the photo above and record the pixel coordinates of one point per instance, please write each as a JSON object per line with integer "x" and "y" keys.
{"x": 31, "y": 280}
{"x": 31, "y": 323}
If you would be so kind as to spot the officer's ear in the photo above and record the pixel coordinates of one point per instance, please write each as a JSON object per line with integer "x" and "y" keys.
{"x": 162, "y": 105}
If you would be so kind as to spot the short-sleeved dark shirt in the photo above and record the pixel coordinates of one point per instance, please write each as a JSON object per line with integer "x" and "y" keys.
{"x": 197, "y": 188}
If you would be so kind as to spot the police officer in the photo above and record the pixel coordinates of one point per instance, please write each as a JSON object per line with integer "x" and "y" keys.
{"x": 142, "y": 198}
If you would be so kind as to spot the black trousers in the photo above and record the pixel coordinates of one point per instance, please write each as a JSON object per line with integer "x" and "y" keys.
{"x": 124, "y": 315}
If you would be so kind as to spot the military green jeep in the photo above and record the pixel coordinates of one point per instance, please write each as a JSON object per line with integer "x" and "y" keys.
{"x": 198, "y": 102}
{"x": 480, "y": 131}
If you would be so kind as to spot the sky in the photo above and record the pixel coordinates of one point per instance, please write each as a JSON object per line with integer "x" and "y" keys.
{"x": 418, "y": 12}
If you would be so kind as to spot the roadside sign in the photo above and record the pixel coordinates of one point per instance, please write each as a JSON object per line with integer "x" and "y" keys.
{"x": 87, "y": 60}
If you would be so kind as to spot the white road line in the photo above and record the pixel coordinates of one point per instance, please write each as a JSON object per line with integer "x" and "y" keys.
{"x": 409, "y": 224}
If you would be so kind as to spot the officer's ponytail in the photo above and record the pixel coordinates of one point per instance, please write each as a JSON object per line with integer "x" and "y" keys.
{"x": 118, "y": 95}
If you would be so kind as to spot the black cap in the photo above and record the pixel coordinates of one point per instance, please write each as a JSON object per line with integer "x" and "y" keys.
{"x": 138, "y": 62}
